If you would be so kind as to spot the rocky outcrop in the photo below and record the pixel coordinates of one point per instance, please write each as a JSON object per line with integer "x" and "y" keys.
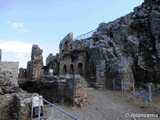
{"x": 131, "y": 41}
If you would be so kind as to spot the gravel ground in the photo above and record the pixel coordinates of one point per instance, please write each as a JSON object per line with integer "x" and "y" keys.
{"x": 109, "y": 105}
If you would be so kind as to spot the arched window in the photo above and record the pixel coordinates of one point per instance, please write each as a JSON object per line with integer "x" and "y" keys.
{"x": 71, "y": 69}
{"x": 80, "y": 66}
{"x": 65, "y": 69}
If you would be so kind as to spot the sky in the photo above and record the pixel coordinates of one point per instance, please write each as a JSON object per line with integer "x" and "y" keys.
{"x": 46, "y": 22}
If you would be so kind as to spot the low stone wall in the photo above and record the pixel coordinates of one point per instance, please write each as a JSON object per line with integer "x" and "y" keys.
{"x": 21, "y": 106}
{"x": 57, "y": 88}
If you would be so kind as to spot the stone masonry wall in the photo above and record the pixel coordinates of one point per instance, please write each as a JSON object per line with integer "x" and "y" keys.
{"x": 59, "y": 88}
{"x": 36, "y": 62}
{"x": 65, "y": 43}
{"x": 8, "y": 75}
{"x": 76, "y": 62}
{"x": 22, "y": 73}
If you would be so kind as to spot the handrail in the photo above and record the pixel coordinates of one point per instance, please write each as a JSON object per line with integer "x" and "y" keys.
{"x": 85, "y": 34}
{"x": 63, "y": 111}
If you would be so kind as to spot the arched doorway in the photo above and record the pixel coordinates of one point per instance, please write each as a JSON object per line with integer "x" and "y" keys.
{"x": 71, "y": 69}
{"x": 80, "y": 66}
{"x": 65, "y": 69}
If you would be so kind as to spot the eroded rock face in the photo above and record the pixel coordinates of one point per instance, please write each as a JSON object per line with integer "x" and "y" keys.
{"x": 132, "y": 40}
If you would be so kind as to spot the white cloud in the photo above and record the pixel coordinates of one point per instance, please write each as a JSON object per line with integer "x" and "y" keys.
{"x": 16, "y": 51}
{"x": 18, "y": 24}
{"x": 15, "y": 46}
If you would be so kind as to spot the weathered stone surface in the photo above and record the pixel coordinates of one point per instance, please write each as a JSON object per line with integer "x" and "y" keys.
{"x": 51, "y": 63}
{"x": 22, "y": 73}
{"x": 1, "y": 91}
{"x": 36, "y": 62}
{"x": 21, "y": 106}
{"x": 131, "y": 41}
{"x": 74, "y": 63}
{"x": 49, "y": 58}
{"x": 59, "y": 88}
{"x": 29, "y": 69}
{"x": 15, "y": 106}
{"x": 8, "y": 75}
{"x": 154, "y": 23}
{"x": 65, "y": 43}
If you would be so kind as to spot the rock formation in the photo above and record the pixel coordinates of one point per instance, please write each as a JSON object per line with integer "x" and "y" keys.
{"x": 126, "y": 50}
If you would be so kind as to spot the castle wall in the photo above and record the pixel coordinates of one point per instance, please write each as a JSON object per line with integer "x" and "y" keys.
{"x": 8, "y": 75}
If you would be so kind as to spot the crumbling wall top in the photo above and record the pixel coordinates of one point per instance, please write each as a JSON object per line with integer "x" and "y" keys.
{"x": 36, "y": 53}
{"x": 65, "y": 43}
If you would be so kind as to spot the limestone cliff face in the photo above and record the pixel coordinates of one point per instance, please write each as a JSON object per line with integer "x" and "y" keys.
{"x": 134, "y": 40}
{"x": 127, "y": 49}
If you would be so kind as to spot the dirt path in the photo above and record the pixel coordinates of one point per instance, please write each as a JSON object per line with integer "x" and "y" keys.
{"x": 110, "y": 105}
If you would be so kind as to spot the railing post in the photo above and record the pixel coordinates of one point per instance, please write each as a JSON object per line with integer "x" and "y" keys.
{"x": 150, "y": 94}
{"x": 39, "y": 112}
{"x": 122, "y": 85}
{"x": 133, "y": 89}
{"x": 32, "y": 106}
{"x": 52, "y": 110}
{"x": 113, "y": 82}
{"x": 73, "y": 89}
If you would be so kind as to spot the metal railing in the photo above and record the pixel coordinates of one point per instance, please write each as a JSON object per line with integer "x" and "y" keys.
{"x": 52, "y": 108}
{"x": 85, "y": 35}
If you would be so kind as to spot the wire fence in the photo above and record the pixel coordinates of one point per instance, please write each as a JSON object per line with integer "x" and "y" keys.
{"x": 85, "y": 35}
{"x": 143, "y": 91}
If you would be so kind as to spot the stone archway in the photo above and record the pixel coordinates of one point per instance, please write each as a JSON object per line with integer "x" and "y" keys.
{"x": 80, "y": 68}
{"x": 64, "y": 69}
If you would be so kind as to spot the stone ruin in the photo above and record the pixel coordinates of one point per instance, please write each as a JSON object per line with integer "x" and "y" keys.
{"x": 51, "y": 81}
{"x": 127, "y": 49}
